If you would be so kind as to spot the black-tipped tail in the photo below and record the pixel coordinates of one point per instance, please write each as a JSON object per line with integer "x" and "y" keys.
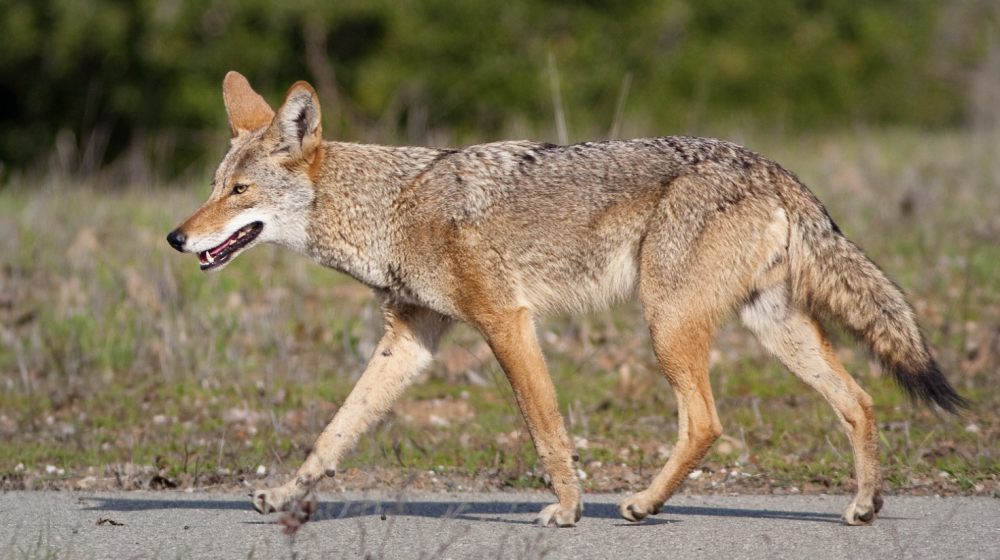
{"x": 928, "y": 384}
{"x": 833, "y": 278}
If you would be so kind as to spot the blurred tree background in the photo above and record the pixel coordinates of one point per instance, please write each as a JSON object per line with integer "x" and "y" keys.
{"x": 86, "y": 85}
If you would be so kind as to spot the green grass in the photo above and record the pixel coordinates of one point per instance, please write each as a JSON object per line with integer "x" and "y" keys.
{"x": 117, "y": 351}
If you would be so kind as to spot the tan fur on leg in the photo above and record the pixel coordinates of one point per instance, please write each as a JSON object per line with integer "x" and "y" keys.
{"x": 798, "y": 341}
{"x": 515, "y": 345}
{"x": 410, "y": 340}
{"x": 683, "y": 355}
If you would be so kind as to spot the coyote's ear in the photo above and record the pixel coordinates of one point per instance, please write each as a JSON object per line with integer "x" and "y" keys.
{"x": 247, "y": 109}
{"x": 297, "y": 127}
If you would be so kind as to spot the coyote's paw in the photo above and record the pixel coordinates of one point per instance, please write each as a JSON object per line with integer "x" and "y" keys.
{"x": 557, "y": 516}
{"x": 281, "y": 498}
{"x": 862, "y": 514}
{"x": 638, "y": 507}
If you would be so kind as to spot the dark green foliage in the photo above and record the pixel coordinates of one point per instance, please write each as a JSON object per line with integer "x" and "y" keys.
{"x": 147, "y": 73}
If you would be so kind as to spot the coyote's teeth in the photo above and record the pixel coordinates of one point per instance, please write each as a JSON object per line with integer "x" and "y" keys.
{"x": 241, "y": 234}
{"x": 209, "y": 257}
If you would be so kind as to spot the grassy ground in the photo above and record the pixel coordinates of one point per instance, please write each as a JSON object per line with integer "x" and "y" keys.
{"x": 122, "y": 365}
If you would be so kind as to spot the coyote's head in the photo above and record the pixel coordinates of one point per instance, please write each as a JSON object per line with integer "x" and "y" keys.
{"x": 263, "y": 189}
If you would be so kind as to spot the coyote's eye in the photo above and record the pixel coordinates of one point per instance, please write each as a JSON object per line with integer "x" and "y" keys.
{"x": 240, "y": 188}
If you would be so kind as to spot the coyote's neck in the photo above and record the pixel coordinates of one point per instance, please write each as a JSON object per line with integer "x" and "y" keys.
{"x": 356, "y": 220}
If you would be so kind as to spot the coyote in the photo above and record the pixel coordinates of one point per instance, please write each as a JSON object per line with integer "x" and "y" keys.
{"x": 497, "y": 234}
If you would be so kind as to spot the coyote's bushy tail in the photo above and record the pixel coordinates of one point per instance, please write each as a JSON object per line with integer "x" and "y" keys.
{"x": 832, "y": 277}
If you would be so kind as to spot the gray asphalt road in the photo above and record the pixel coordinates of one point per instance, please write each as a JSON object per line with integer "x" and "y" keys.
{"x": 171, "y": 525}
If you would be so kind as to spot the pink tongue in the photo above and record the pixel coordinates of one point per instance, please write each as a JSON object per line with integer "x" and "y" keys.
{"x": 203, "y": 256}
{"x": 225, "y": 244}
{"x": 219, "y": 249}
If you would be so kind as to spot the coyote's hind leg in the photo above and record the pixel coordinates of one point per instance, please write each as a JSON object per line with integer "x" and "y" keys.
{"x": 698, "y": 259}
{"x": 681, "y": 346}
{"x": 798, "y": 341}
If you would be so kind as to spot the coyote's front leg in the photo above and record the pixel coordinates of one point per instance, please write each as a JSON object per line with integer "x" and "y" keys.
{"x": 512, "y": 338}
{"x": 410, "y": 340}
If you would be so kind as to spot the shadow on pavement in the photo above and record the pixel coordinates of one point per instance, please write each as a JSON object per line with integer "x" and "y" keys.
{"x": 478, "y": 510}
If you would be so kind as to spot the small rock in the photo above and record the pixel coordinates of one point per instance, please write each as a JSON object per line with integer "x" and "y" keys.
{"x": 821, "y": 479}
{"x": 85, "y": 483}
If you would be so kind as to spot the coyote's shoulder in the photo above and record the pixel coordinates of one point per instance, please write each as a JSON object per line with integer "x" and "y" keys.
{"x": 494, "y": 235}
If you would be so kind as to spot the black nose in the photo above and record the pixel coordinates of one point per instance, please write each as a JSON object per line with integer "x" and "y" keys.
{"x": 176, "y": 239}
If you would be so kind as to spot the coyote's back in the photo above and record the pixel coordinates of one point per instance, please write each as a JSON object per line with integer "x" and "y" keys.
{"x": 566, "y": 224}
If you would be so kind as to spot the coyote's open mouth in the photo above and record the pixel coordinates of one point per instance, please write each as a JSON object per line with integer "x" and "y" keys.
{"x": 221, "y": 254}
